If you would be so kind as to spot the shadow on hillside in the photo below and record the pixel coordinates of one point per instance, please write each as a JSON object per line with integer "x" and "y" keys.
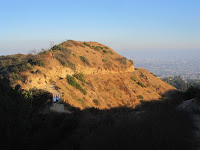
{"x": 152, "y": 125}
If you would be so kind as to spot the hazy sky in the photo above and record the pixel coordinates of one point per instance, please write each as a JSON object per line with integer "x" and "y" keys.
{"x": 121, "y": 24}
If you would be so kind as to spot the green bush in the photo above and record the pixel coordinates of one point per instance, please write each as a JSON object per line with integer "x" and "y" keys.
{"x": 14, "y": 78}
{"x": 142, "y": 75}
{"x": 110, "y": 52}
{"x": 80, "y": 100}
{"x": 72, "y": 65}
{"x": 104, "y": 60}
{"x": 97, "y": 48}
{"x": 34, "y": 60}
{"x": 79, "y": 76}
{"x": 96, "y": 102}
{"x": 140, "y": 97}
{"x": 84, "y": 91}
{"x": 131, "y": 61}
{"x": 38, "y": 71}
{"x": 84, "y": 60}
{"x": 133, "y": 78}
{"x": 105, "y": 51}
{"x": 86, "y": 44}
{"x": 59, "y": 48}
{"x": 141, "y": 84}
{"x": 71, "y": 80}
{"x": 61, "y": 58}
{"x": 122, "y": 60}
{"x": 29, "y": 66}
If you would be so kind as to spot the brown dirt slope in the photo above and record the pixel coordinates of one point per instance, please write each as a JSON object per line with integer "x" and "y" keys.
{"x": 114, "y": 90}
{"x": 110, "y": 80}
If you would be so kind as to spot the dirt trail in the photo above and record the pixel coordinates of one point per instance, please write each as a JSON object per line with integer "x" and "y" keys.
{"x": 50, "y": 88}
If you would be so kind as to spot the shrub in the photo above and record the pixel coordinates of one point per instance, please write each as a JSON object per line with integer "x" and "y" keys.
{"x": 28, "y": 66}
{"x": 34, "y": 60}
{"x": 38, "y": 71}
{"x": 131, "y": 61}
{"x": 110, "y": 52}
{"x": 133, "y": 78}
{"x": 153, "y": 74}
{"x": 74, "y": 83}
{"x": 96, "y": 102}
{"x": 74, "y": 55}
{"x": 98, "y": 48}
{"x": 86, "y": 44}
{"x": 104, "y": 60}
{"x": 142, "y": 75}
{"x": 59, "y": 48}
{"x": 22, "y": 68}
{"x": 43, "y": 52}
{"x": 72, "y": 65}
{"x": 40, "y": 63}
{"x": 84, "y": 91}
{"x": 84, "y": 60}
{"x": 61, "y": 59}
{"x": 14, "y": 78}
{"x": 105, "y": 51}
{"x": 140, "y": 97}
{"x": 122, "y": 60}
{"x": 79, "y": 76}
{"x": 80, "y": 100}
{"x": 141, "y": 84}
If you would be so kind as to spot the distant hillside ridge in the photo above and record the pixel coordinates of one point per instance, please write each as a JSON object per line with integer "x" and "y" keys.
{"x": 88, "y": 74}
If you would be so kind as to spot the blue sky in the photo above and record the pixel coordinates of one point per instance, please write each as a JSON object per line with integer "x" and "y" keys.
{"x": 128, "y": 25}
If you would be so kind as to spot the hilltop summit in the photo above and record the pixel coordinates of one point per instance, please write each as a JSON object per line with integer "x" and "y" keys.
{"x": 88, "y": 74}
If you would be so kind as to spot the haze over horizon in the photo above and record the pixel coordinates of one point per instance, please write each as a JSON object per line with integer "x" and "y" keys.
{"x": 125, "y": 26}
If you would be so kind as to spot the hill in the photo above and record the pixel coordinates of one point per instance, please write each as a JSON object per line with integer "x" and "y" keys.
{"x": 88, "y": 74}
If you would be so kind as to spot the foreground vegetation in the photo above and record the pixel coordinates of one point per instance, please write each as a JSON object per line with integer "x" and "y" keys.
{"x": 152, "y": 125}
{"x": 12, "y": 66}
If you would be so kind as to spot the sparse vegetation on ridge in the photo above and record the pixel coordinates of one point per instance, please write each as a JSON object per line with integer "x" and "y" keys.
{"x": 86, "y": 44}
{"x": 60, "y": 48}
{"x": 122, "y": 60}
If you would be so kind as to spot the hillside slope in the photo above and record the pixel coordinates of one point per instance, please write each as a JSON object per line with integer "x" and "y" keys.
{"x": 96, "y": 76}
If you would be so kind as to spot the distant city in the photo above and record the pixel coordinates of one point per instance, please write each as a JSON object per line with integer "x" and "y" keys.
{"x": 185, "y": 64}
